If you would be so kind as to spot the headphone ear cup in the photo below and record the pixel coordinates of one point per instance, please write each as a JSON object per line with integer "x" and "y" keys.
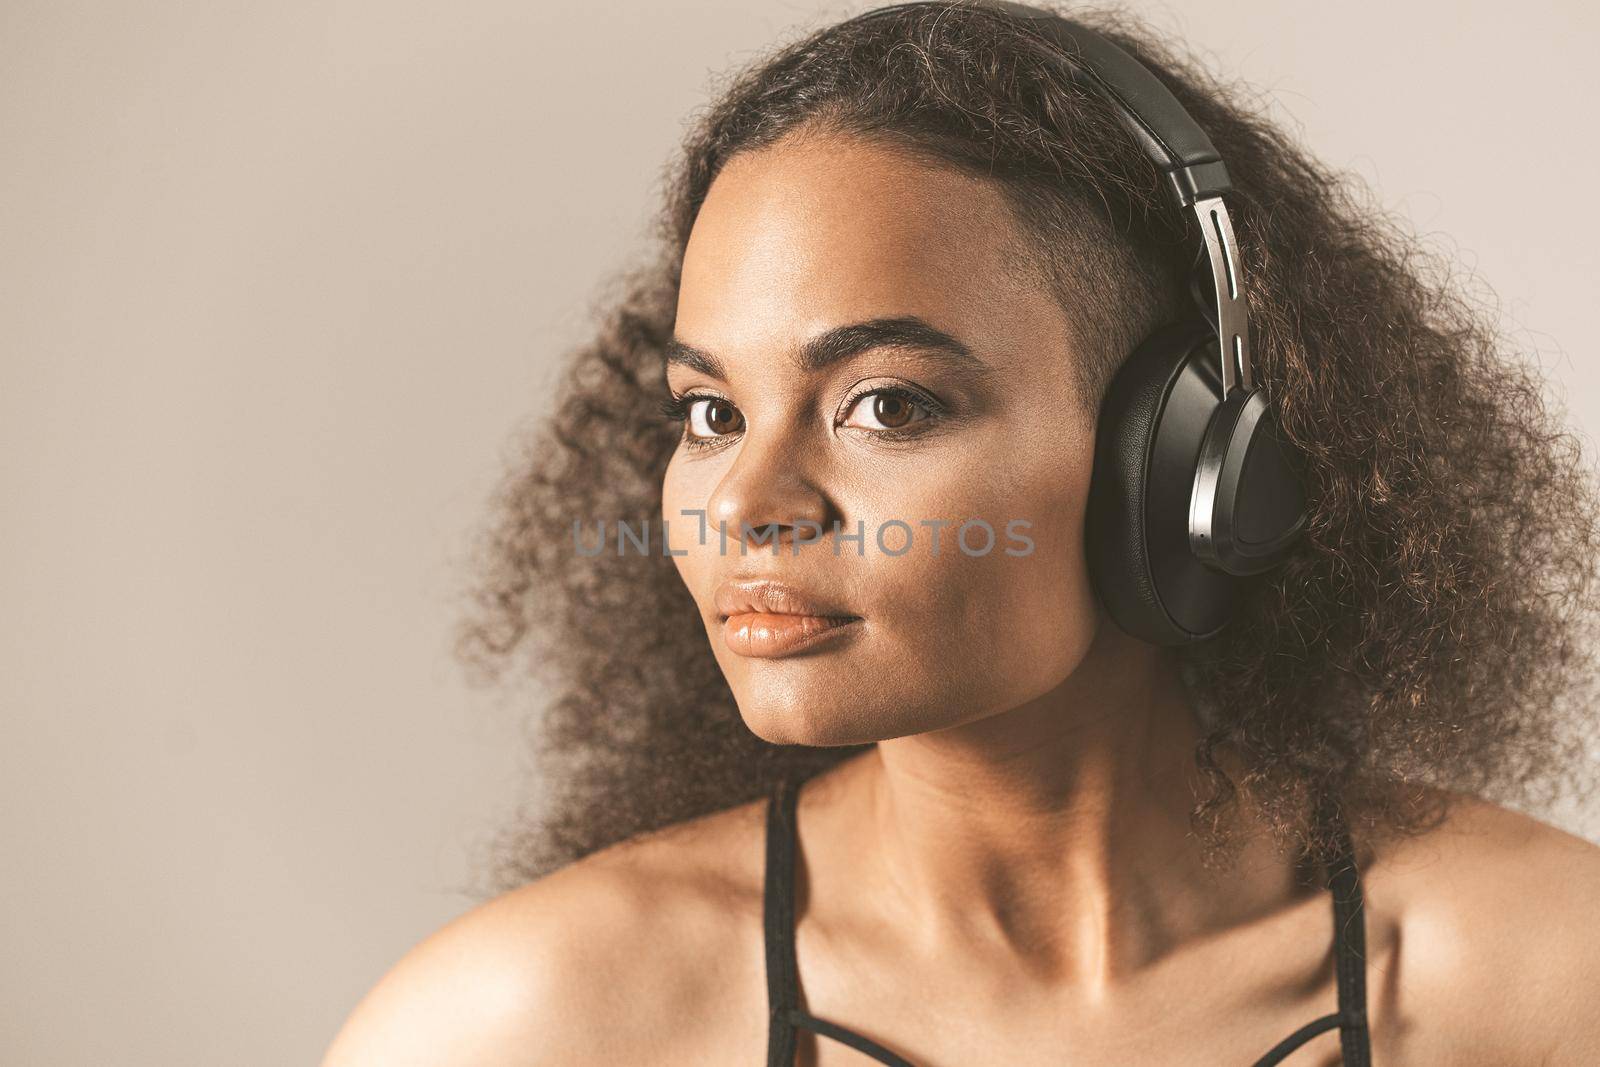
{"x": 1248, "y": 508}
{"x": 1152, "y": 423}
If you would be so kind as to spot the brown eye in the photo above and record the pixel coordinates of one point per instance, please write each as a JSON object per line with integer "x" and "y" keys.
{"x": 885, "y": 410}
{"x": 711, "y": 416}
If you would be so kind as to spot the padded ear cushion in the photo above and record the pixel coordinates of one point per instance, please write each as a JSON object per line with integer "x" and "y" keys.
{"x": 1152, "y": 422}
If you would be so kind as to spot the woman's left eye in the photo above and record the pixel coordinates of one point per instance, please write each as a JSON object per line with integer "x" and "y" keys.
{"x": 885, "y": 409}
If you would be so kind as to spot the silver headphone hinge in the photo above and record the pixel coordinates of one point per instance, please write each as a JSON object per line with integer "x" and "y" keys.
{"x": 1227, "y": 284}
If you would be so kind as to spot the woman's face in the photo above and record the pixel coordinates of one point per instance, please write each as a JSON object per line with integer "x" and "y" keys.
{"x": 861, "y": 352}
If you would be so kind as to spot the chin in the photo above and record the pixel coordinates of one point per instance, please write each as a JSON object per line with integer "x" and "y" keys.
{"x": 817, "y": 720}
{"x": 812, "y": 724}
{"x": 834, "y": 718}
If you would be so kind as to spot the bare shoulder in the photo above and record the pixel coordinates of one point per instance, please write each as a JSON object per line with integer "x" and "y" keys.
{"x": 614, "y": 959}
{"x": 1492, "y": 919}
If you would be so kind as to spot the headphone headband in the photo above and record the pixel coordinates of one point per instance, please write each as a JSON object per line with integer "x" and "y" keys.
{"x": 1173, "y": 141}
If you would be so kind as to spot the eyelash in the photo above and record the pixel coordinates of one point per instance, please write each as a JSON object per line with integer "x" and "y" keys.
{"x": 675, "y": 407}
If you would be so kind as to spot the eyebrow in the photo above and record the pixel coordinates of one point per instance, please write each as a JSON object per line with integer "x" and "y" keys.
{"x": 846, "y": 342}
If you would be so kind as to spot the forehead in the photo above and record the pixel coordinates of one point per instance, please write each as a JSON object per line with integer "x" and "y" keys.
{"x": 813, "y": 231}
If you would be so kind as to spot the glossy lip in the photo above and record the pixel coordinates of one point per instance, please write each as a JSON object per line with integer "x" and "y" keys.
{"x": 764, "y": 618}
{"x": 741, "y": 596}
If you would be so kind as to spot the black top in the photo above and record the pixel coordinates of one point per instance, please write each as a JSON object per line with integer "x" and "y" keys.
{"x": 783, "y": 978}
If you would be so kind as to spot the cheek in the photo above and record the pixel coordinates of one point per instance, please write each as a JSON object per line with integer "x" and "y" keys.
{"x": 680, "y": 492}
{"x": 997, "y": 629}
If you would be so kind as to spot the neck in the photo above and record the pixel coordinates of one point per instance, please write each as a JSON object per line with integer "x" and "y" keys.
{"x": 1058, "y": 832}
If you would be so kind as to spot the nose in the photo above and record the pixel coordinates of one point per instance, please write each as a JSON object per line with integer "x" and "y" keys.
{"x": 769, "y": 496}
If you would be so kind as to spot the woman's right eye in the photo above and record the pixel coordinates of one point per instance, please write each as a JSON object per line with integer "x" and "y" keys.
{"x": 709, "y": 417}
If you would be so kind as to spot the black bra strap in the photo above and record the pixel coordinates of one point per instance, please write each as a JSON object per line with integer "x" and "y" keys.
{"x": 1350, "y": 953}
{"x": 778, "y": 919}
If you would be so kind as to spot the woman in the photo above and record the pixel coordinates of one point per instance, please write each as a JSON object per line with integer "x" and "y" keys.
{"x": 881, "y": 800}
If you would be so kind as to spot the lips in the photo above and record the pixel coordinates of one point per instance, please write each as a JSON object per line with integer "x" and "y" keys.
{"x": 770, "y": 596}
{"x": 766, "y": 618}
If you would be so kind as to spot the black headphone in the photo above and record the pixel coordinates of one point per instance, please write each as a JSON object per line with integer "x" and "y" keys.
{"x": 1193, "y": 490}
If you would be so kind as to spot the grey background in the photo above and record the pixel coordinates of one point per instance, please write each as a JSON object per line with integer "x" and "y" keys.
{"x": 279, "y": 283}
